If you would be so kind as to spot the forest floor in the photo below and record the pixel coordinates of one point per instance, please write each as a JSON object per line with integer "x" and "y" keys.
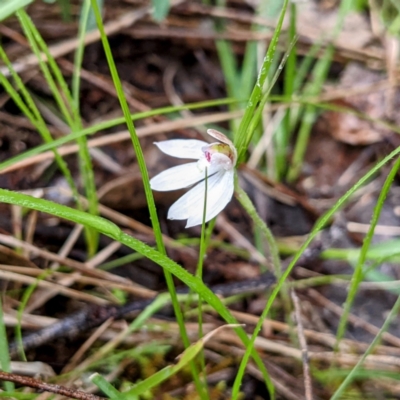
{"x": 48, "y": 276}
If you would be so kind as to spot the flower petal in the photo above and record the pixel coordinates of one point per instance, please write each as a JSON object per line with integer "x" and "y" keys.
{"x": 217, "y": 199}
{"x": 221, "y": 161}
{"x": 182, "y": 148}
{"x": 220, "y": 136}
{"x": 177, "y": 177}
{"x": 191, "y": 205}
{"x": 191, "y": 201}
{"x": 182, "y": 176}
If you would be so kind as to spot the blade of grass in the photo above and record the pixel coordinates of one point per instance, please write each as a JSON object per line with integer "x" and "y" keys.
{"x": 59, "y": 90}
{"x": 79, "y": 52}
{"x": 257, "y": 116}
{"x": 227, "y": 59}
{"x": 18, "y": 395}
{"x": 32, "y": 113}
{"x": 111, "y": 230}
{"x": 84, "y": 155}
{"x": 318, "y": 226}
{"x": 246, "y": 203}
{"x": 99, "y": 127}
{"x": 314, "y": 87}
{"x": 282, "y": 138}
{"x": 239, "y": 81}
{"x": 144, "y": 173}
{"x": 358, "y": 271}
{"x": 65, "y": 103}
{"x": 250, "y": 64}
{"x": 260, "y": 224}
{"x": 243, "y": 135}
{"x": 186, "y": 357}
{"x": 159, "y": 302}
{"x": 386, "y": 251}
{"x": 91, "y": 22}
{"x": 9, "y": 7}
{"x": 106, "y": 387}
{"x": 248, "y": 72}
{"x": 353, "y": 373}
{"x": 309, "y": 117}
{"x": 229, "y": 68}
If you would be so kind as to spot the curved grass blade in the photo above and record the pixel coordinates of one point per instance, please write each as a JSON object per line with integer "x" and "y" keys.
{"x": 318, "y": 226}
{"x": 111, "y": 230}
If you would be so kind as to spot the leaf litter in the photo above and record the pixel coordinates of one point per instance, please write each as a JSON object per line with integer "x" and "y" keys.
{"x": 344, "y": 144}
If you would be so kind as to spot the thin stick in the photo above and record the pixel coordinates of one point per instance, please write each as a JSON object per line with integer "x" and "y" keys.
{"x": 48, "y": 387}
{"x": 303, "y": 344}
{"x": 121, "y": 136}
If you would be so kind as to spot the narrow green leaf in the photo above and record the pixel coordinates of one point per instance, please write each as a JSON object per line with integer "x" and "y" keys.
{"x": 160, "y": 9}
{"x": 9, "y": 7}
{"x": 110, "y": 229}
{"x": 358, "y": 271}
{"x": 98, "y": 127}
{"x": 243, "y": 136}
{"x": 106, "y": 387}
{"x": 30, "y": 110}
{"x": 318, "y": 226}
{"x": 353, "y": 373}
{"x": 65, "y": 102}
{"x": 185, "y": 358}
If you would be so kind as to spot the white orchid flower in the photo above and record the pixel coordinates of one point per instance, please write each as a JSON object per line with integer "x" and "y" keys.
{"x": 218, "y": 159}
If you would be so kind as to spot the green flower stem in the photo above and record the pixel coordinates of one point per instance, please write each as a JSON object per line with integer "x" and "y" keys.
{"x": 143, "y": 169}
{"x": 247, "y": 204}
{"x": 201, "y": 385}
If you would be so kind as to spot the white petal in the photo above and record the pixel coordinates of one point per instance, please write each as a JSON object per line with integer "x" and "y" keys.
{"x": 221, "y": 161}
{"x": 191, "y": 205}
{"x": 217, "y": 198}
{"x": 192, "y": 201}
{"x": 182, "y": 148}
{"x": 177, "y": 177}
{"x": 182, "y": 176}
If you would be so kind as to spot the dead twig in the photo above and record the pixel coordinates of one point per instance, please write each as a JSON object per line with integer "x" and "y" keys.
{"x": 48, "y": 387}
{"x": 118, "y": 137}
{"x": 303, "y": 346}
